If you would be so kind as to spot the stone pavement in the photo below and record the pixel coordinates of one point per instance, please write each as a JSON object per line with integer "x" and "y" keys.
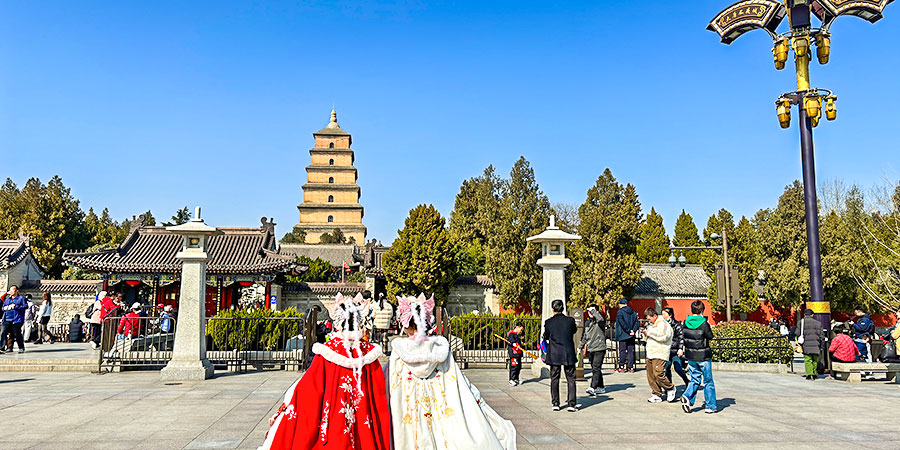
{"x": 134, "y": 410}
{"x": 757, "y": 410}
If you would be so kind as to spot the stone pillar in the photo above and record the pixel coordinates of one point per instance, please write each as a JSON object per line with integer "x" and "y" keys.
{"x": 276, "y": 290}
{"x": 554, "y": 262}
{"x": 189, "y": 353}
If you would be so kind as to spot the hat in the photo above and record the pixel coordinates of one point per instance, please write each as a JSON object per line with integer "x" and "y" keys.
{"x": 136, "y": 306}
{"x": 623, "y": 301}
{"x": 808, "y": 312}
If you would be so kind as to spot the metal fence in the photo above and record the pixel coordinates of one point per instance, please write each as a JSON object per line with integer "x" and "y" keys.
{"x": 753, "y": 349}
{"x": 475, "y": 341}
{"x": 240, "y": 344}
{"x": 132, "y": 343}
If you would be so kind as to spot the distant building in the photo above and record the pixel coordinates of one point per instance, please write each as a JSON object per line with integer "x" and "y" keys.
{"x": 17, "y": 263}
{"x": 331, "y": 195}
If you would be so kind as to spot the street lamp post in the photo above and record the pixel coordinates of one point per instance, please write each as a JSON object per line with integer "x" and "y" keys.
{"x": 747, "y": 15}
{"x": 727, "y": 269}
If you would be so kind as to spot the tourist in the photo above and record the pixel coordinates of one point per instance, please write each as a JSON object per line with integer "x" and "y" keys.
{"x": 559, "y": 335}
{"x": 29, "y": 326}
{"x": 894, "y": 332}
{"x": 514, "y": 351}
{"x": 130, "y": 325}
{"x": 812, "y": 339}
{"x": 76, "y": 329}
{"x": 842, "y": 348}
{"x": 340, "y": 402}
{"x": 383, "y": 318}
{"x": 626, "y": 328}
{"x": 593, "y": 345}
{"x": 14, "y": 306}
{"x": 420, "y": 367}
{"x": 863, "y": 329}
{"x": 44, "y": 316}
{"x": 95, "y": 316}
{"x": 677, "y": 351}
{"x": 697, "y": 352}
{"x": 659, "y": 343}
{"x": 167, "y": 320}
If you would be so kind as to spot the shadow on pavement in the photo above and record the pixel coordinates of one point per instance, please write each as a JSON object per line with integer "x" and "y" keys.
{"x": 16, "y": 380}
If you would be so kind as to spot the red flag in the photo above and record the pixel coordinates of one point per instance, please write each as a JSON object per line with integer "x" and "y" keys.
{"x": 346, "y": 267}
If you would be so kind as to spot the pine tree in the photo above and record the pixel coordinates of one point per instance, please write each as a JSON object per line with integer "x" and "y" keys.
{"x": 524, "y": 211}
{"x": 782, "y": 239}
{"x": 686, "y": 235}
{"x": 181, "y": 216}
{"x": 653, "y": 246}
{"x": 295, "y": 236}
{"x": 51, "y": 216}
{"x": 473, "y": 219}
{"x": 743, "y": 252}
{"x": 421, "y": 258}
{"x": 604, "y": 263}
{"x": 722, "y": 220}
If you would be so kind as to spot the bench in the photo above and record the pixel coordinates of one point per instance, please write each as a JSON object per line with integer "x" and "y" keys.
{"x": 851, "y": 372}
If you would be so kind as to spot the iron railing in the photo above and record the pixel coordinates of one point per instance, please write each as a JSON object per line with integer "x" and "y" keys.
{"x": 474, "y": 341}
{"x": 753, "y": 349}
{"x": 240, "y": 343}
{"x": 145, "y": 347}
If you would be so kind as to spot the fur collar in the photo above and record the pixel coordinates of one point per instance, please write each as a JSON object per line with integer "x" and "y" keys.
{"x": 406, "y": 350}
{"x": 331, "y": 355}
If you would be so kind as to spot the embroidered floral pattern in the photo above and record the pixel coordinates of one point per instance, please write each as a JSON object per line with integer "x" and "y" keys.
{"x": 323, "y": 427}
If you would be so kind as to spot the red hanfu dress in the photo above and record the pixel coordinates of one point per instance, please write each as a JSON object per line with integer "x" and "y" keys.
{"x": 339, "y": 403}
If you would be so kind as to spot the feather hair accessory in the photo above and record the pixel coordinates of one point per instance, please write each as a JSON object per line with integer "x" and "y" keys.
{"x": 417, "y": 311}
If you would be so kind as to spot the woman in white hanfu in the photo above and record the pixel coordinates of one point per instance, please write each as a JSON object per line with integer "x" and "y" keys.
{"x": 433, "y": 405}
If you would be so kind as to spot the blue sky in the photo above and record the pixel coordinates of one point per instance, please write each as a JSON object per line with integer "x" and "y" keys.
{"x": 165, "y": 104}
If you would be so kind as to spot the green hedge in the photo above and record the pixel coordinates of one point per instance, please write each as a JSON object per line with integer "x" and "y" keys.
{"x": 477, "y": 330}
{"x": 257, "y": 333}
{"x": 777, "y": 349}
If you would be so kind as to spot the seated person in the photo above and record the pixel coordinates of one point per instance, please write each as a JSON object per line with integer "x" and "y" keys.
{"x": 842, "y": 348}
{"x": 76, "y": 329}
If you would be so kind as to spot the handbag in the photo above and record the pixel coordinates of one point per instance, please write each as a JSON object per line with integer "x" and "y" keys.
{"x": 799, "y": 347}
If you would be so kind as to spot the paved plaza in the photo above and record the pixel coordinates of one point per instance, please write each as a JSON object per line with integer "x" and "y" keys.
{"x": 134, "y": 410}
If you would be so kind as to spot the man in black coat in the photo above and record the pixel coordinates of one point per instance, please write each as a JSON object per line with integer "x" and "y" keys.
{"x": 559, "y": 334}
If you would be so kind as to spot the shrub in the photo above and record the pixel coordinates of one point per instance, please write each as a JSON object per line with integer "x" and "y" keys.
{"x": 770, "y": 348}
{"x": 254, "y": 330}
{"x": 476, "y": 331}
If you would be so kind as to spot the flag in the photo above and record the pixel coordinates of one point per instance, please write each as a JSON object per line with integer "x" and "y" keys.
{"x": 346, "y": 267}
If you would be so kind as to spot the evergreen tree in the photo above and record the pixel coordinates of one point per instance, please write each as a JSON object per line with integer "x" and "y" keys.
{"x": 743, "y": 252}
{"x": 524, "y": 211}
{"x": 421, "y": 258}
{"x": 318, "y": 270}
{"x": 782, "y": 243}
{"x": 653, "y": 246}
{"x": 604, "y": 263}
{"x": 473, "y": 219}
{"x": 722, "y": 220}
{"x": 335, "y": 237}
{"x": 181, "y": 216}
{"x": 686, "y": 235}
{"x": 295, "y": 236}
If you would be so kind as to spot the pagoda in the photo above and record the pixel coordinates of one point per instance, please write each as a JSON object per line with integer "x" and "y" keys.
{"x": 331, "y": 195}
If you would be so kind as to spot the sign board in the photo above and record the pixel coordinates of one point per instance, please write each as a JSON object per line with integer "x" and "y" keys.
{"x": 747, "y": 15}
{"x": 828, "y": 10}
{"x": 273, "y": 300}
{"x": 734, "y": 281}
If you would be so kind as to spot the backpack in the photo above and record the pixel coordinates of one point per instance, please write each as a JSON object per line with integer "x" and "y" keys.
{"x": 89, "y": 312}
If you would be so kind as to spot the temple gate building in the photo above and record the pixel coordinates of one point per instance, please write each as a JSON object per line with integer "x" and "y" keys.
{"x": 331, "y": 195}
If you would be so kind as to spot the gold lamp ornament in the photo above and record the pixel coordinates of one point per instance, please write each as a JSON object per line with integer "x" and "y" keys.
{"x": 783, "y": 108}
{"x": 801, "y": 46}
{"x": 830, "y": 107}
{"x": 823, "y": 47}
{"x": 780, "y": 51}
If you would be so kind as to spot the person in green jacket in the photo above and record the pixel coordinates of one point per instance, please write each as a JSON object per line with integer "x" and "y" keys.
{"x": 697, "y": 352}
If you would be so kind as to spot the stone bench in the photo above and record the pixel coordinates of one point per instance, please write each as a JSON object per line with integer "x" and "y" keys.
{"x": 852, "y": 372}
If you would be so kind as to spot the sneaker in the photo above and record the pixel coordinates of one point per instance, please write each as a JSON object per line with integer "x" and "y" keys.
{"x": 685, "y": 404}
{"x": 518, "y": 382}
{"x": 571, "y": 409}
{"x": 93, "y": 345}
{"x": 670, "y": 396}
{"x": 590, "y": 392}
{"x": 654, "y": 399}
{"x": 599, "y": 391}
{"x": 709, "y": 411}
{"x": 21, "y": 350}
{"x": 630, "y": 370}
{"x": 618, "y": 370}
{"x": 512, "y": 382}
{"x": 555, "y": 407}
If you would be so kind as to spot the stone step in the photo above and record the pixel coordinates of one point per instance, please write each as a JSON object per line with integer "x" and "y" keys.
{"x": 13, "y": 364}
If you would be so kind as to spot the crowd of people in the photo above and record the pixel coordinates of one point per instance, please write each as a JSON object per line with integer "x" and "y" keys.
{"x": 670, "y": 345}
{"x": 24, "y": 321}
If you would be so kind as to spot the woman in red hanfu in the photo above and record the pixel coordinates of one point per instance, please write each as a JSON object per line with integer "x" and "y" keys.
{"x": 340, "y": 402}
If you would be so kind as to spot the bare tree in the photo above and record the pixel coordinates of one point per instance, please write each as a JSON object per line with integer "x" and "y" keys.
{"x": 566, "y": 216}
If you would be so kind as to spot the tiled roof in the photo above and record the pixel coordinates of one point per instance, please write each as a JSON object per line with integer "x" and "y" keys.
{"x": 326, "y": 288}
{"x": 660, "y": 279}
{"x": 335, "y": 254}
{"x": 153, "y": 249}
{"x": 14, "y": 251}
{"x": 64, "y": 286}
{"x": 477, "y": 280}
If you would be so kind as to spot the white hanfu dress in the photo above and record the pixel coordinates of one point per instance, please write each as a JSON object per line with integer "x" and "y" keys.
{"x": 434, "y": 406}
